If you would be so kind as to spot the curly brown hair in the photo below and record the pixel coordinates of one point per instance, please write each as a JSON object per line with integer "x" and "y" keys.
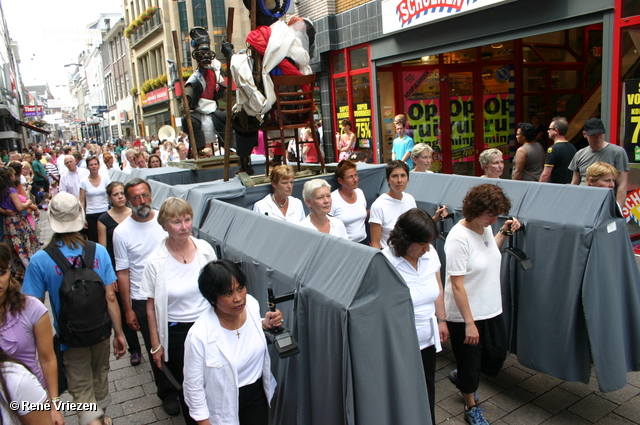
{"x": 413, "y": 226}
{"x": 14, "y": 299}
{"x": 485, "y": 198}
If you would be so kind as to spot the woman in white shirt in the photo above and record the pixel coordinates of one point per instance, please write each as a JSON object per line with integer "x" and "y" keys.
{"x": 317, "y": 196}
{"x": 227, "y": 368}
{"x": 18, "y": 384}
{"x": 411, "y": 253}
{"x": 170, "y": 283}
{"x": 348, "y": 203}
{"x": 389, "y": 206}
{"x": 473, "y": 299}
{"x": 93, "y": 197}
{"x": 280, "y": 204}
{"x": 422, "y": 155}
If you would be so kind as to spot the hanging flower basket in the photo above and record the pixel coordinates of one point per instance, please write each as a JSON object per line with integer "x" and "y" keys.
{"x": 140, "y": 20}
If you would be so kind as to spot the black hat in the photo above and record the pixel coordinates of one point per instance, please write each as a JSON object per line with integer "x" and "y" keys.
{"x": 200, "y": 39}
{"x": 594, "y": 126}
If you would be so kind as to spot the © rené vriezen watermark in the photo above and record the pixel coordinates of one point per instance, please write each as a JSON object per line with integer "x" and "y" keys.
{"x": 59, "y": 405}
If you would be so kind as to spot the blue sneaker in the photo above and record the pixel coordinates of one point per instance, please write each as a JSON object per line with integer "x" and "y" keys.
{"x": 453, "y": 377}
{"x": 474, "y": 416}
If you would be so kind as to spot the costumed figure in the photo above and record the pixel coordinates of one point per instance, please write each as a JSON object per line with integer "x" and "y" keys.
{"x": 283, "y": 49}
{"x": 203, "y": 89}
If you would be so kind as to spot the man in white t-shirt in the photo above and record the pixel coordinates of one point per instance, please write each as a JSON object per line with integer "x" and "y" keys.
{"x": 134, "y": 240}
{"x": 70, "y": 181}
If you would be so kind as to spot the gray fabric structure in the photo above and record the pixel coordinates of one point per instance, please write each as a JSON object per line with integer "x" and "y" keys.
{"x": 360, "y": 360}
{"x": 580, "y": 302}
{"x": 359, "y": 363}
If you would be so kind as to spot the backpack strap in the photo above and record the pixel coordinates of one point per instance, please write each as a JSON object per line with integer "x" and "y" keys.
{"x": 89, "y": 254}
{"x": 57, "y": 256}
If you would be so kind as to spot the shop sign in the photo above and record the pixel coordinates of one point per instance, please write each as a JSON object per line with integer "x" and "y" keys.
{"x": 362, "y": 116}
{"x": 156, "y": 96}
{"x": 123, "y": 116}
{"x": 424, "y": 116}
{"x": 497, "y": 130}
{"x": 462, "y": 134}
{"x": 33, "y": 111}
{"x": 632, "y": 119}
{"x": 631, "y": 208}
{"x": 400, "y": 15}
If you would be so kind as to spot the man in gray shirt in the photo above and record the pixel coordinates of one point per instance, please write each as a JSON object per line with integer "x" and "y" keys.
{"x": 600, "y": 151}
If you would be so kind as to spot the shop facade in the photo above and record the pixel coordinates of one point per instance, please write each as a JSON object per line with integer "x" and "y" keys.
{"x": 155, "y": 110}
{"x": 465, "y": 78}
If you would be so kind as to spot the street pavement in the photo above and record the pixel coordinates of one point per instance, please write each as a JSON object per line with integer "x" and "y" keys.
{"x": 517, "y": 396}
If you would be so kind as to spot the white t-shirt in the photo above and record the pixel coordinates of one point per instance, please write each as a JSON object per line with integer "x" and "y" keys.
{"x": 266, "y": 206}
{"x": 247, "y": 352}
{"x": 424, "y": 290}
{"x": 96, "y": 197}
{"x": 385, "y": 211}
{"x": 133, "y": 243}
{"x": 22, "y": 385}
{"x": 477, "y": 258}
{"x": 185, "y": 301}
{"x": 336, "y": 226}
{"x": 352, "y": 216}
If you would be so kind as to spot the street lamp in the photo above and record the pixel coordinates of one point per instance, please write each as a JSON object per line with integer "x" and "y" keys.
{"x": 73, "y": 64}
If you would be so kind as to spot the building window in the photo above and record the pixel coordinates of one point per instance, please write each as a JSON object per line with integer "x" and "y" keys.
{"x": 217, "y": 11}
{"x": 199, "y": 13}
{"x": 182, "y": 13}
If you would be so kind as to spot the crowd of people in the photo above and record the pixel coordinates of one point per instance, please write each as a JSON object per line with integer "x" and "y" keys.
{"x": 203, "y": 333}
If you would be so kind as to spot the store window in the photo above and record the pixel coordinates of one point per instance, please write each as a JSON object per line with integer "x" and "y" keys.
{"x": 630, "y": 8}
{"x": 352, "y": 96}
{"x": 421, "y": 91}
{"x": 498, "y": 52}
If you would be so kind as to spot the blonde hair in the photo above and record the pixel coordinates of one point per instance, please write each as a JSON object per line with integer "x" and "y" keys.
{"x": 280, "y": 172}
{"x": 487, "y": 154}
{"x": 173, "y": 207}
{"x": 597, "y": 170}
{"x": 419, "y": 148}
{"x": 311, "y": 186}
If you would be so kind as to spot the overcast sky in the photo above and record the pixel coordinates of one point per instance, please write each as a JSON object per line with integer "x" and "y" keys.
{"x": 47, "y": 35}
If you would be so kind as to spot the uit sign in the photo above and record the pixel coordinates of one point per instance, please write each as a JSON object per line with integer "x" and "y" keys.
{"x": 399, "y": 15}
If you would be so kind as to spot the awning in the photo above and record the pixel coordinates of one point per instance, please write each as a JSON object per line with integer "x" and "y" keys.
{"x": 32, "y": 127}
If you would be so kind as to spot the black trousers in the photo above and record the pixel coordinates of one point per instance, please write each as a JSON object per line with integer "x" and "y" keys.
{"x": 253, "y": 404}
{"x": 487, "y": 357}
{"x": 129, "y": 334}
{"x": 165, "y": 389}
{"x": 429, "y": 365}
{"x": 177, "y": 335}
{"x": 92, "y": 230}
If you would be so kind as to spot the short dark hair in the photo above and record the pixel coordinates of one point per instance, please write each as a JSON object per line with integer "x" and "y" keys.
{"x": 134, "y": 182}
{"x": 485, "y": 198}
{"x": 344, "y": 166}
{"x": 216, "y": 278}
{"x": 413, "y": 226}
{"x": 392, "y": 165}
{"x": 561, "y": 125}
{"x": 92, "y": 158}
{"x": 528, "y": 131}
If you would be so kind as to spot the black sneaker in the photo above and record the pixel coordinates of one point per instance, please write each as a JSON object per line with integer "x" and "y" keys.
{"x": 171, "y": 406}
